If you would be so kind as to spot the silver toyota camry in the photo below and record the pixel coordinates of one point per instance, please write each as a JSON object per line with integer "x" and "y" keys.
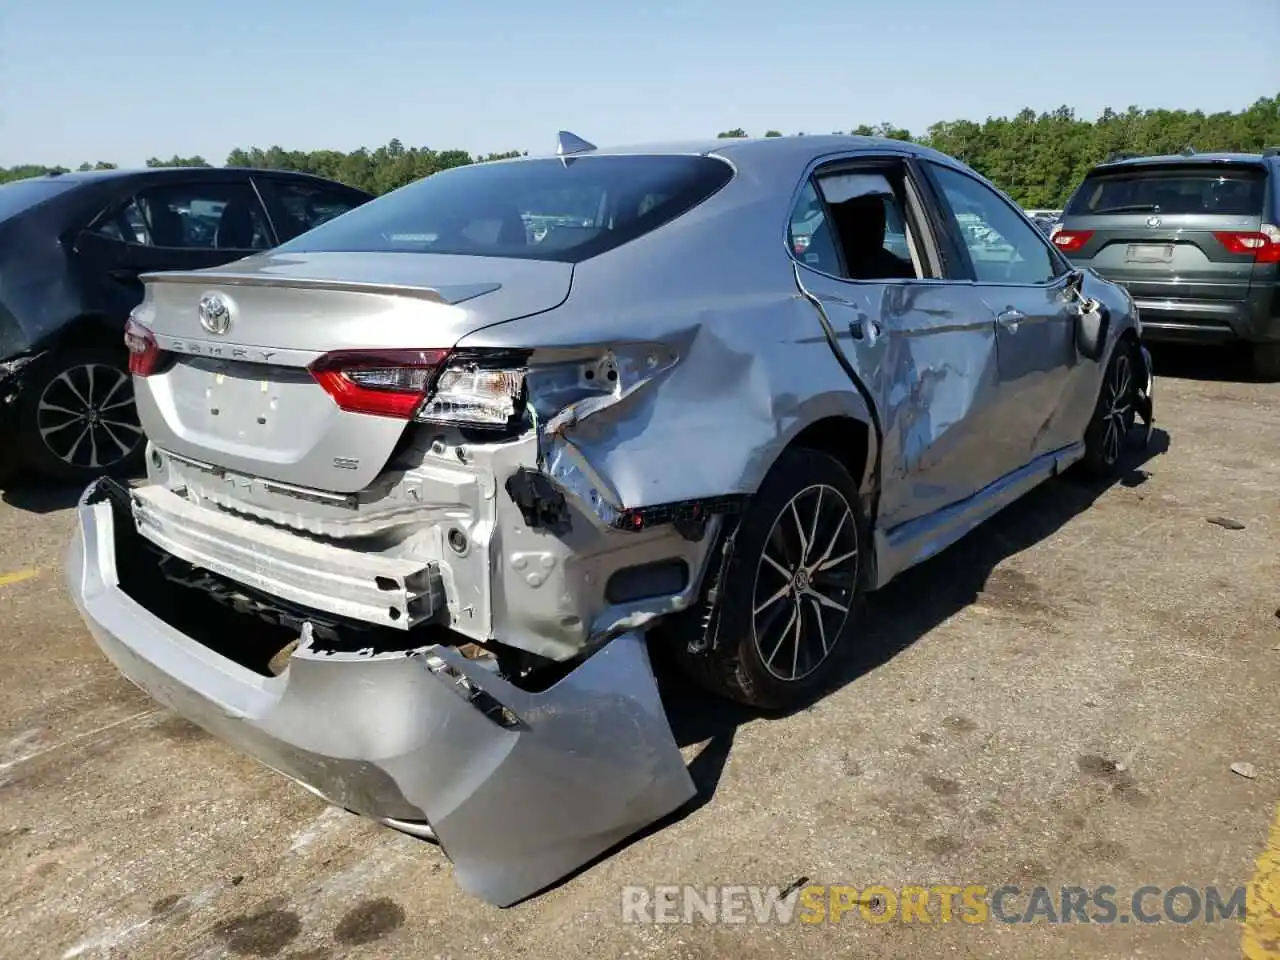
{"x": 422, "y": 481}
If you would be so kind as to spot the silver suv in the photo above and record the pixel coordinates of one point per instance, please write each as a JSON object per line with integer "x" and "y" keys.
{"x": 421, "y": 480}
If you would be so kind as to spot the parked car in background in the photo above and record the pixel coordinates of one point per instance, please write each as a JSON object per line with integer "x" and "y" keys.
{"x": 420, "y": 480}
{"x": 1195, "y": 238}
{"x": 1045, "y": 220}
{"x": 72, "y": 247}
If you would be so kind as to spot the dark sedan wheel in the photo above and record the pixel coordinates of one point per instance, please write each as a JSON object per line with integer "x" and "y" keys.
{"x": 775, "y": 621}
{"x": 78, "y": 419}
{"x": 1115, "y": 413}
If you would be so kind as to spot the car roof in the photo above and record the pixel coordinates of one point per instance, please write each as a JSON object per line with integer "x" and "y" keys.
{"x": 1184, "y": 159}
{"x": 794, "y": 145}
{"x": 177, "y": 173}
{"x": 773, "y": 153}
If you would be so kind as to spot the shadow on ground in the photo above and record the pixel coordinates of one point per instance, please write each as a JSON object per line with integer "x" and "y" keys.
{"x": 39, "y": 496}
{"x": 1228, "y": 364}
{"x": 897, "y": 616}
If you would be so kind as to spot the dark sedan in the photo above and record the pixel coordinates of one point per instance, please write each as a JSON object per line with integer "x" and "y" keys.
{"x": 72, "y": 246}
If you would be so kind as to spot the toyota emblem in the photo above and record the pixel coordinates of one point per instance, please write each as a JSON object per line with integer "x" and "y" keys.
{"x": 1154, "y": 221}
{"x": 215, "y": 313}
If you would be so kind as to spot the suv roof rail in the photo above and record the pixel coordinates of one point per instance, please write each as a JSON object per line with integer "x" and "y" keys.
{"x": 1116, "y": 155}
{"x": 1271, "y": 151}
{"x": 1188, "y": 151}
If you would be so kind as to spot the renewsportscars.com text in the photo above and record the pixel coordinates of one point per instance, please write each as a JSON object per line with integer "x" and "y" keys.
{"x": 972, "y": 904}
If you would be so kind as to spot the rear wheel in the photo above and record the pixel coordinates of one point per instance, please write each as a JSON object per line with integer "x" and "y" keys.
{"x": 1115, "y": 413}
{"x": 774, "y": 622}
{"x": 77, "y": 419}
{"x": 1266, "y": 360}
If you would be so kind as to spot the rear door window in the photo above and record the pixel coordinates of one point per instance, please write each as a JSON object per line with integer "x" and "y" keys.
{"x": 211, "y": 216}
{"x": 1234, "y": 191}
{"x": 565, "y": 210}
{"x": 304, "y": 206}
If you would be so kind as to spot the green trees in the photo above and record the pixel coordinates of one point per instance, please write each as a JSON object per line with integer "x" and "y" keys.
{"x": 1037, "y": 157}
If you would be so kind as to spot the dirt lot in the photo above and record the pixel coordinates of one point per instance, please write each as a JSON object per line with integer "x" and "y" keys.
{"x": 975, "y": 742}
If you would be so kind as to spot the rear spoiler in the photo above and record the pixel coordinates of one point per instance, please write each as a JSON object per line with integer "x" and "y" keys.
{"x": 455, "y": 293}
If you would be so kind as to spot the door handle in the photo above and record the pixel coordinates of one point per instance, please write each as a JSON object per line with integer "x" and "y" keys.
{"x": 859, "y": 332}
{"x": 1010, "y": 318}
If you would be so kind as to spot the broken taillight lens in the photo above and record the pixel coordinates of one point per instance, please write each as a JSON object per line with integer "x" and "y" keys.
{"x": 470, "y": 395}
{"x": 384, "y": 383}
{"x": 144, "y": 352}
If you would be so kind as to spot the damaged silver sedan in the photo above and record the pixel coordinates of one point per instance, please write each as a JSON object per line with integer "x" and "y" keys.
{"x": 422, "y": 480}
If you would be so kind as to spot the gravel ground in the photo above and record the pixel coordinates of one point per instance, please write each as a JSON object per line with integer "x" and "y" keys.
{"x": 1057, "y": 700}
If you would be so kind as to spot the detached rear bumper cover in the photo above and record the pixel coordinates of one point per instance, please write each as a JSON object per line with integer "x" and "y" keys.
{"x": 518, "y": 798}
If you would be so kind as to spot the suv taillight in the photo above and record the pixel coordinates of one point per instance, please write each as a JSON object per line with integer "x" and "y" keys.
{"x": 144, "y": 353}
{"x": 1069, "y": 241}
{"x": 1263, "y": 244}
{"x": 385, "y": 383}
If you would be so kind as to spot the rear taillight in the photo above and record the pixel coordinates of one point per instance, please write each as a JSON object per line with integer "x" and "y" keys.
{"x": 1262, "y": 244}
{"x": 1069, "y": 241}
{"x": 471, "y": 395}
{"x": 144, "y": 353}
{"x": 385, "y": 383}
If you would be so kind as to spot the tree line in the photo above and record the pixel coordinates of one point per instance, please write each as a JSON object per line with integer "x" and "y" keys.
{"x": 1038, "y": 158}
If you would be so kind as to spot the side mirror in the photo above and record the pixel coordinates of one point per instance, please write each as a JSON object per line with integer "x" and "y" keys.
{"x": 1093, "y": 323}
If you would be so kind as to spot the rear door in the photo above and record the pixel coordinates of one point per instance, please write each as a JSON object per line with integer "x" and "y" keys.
{"x": 922, "y": 345}
{"x": 176, "y": 225}
{"x": 1165, "y": 230}
{"x": 1026, "y": 285}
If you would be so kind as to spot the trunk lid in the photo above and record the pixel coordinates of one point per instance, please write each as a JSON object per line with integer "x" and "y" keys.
{"x": 235, "y": 392}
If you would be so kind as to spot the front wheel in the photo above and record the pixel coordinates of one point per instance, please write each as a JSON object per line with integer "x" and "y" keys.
{"x": 1114, "y": 414}
{"x": 775, "y": 619}
{"x": 76, "y": 418}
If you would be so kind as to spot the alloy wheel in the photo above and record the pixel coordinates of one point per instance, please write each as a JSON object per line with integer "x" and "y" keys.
{"x": 805, "y": 582}
{"x": 1119, "y": 411}
{"x": 87, "y": 416}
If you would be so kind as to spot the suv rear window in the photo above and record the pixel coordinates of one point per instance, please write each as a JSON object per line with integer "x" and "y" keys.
{"x": 565, "y": 210}
{"x": 19, "y": 195}
{"x": 1230, "y": 191}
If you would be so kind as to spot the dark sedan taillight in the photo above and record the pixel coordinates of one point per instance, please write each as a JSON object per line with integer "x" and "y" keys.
{"x": 144, "y": 353}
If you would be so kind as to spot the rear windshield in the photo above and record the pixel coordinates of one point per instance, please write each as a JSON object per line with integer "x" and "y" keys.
{"x": 1231, "y": 191}
{"x": 19, "y": 195}
{"x": 553, "y": 209}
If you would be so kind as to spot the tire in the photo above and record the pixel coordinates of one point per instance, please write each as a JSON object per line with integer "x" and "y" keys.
{"x": 1114, "y": 414}
{"x": 763, "y": 606}
{"x": 76, "y": 417}
{"x": 1265, "y": 359}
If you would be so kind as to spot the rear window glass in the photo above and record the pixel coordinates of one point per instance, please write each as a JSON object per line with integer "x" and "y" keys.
{"x": 1232, "y": 192}
{"x": 526, "y": 209}
{"x": 19, "y": 195}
